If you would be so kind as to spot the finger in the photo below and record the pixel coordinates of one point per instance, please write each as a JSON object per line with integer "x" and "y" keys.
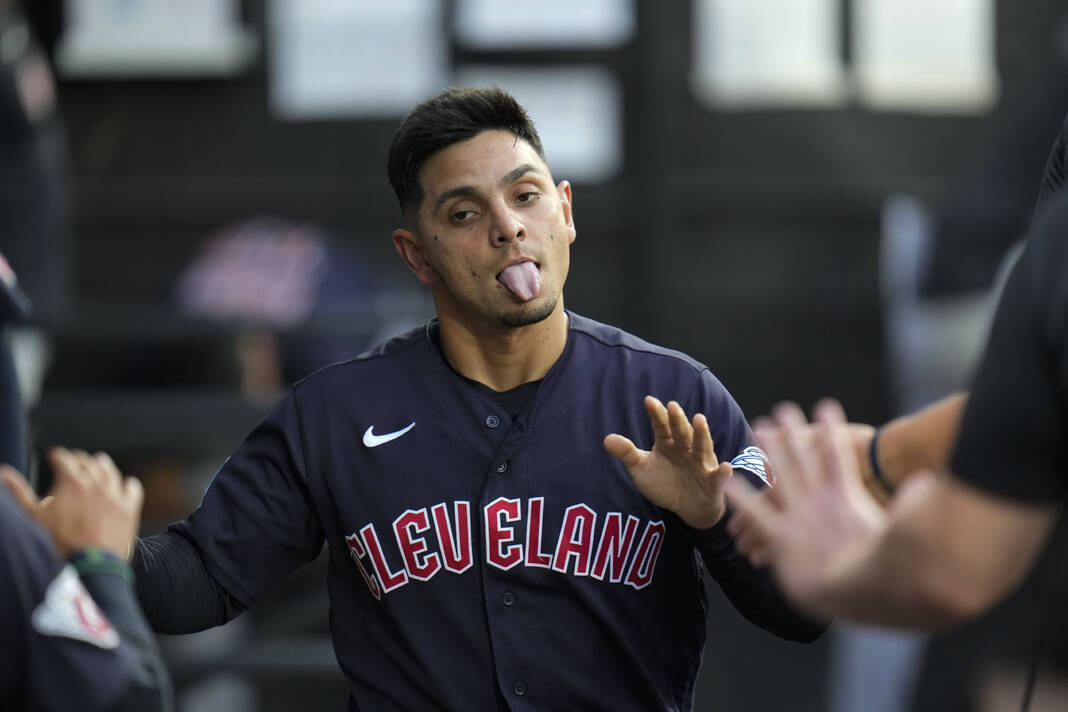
{"x": 658, "y": 417}
{"x": 762, "y": 421}
{"x": 681, "y": 430}
{"x": 109, "y": 472}
{"x": 747, "y": 500}
{"x": 718, "y": 477}
{"x": 66, "y": 470}
{"x": 797, "y": 439}
{"x": 788, "y": 483}
{"x": 624, "y": 450}
{"x": 834, "y": 444}
{"x": 754, "y": 547}
{"x": 19, "y": 488}
{"x": 703, "y": 447}
{"x": 87, "y": 464}
{"x": 133, "y": 494}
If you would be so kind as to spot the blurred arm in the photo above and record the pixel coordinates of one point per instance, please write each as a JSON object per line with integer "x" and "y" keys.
{"x": 948, "y": 552}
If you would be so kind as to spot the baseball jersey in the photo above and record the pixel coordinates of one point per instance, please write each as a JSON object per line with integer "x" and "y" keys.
{"x": 1012, "y": 440}
{"x": 479, "y": 561}
{"x": 61, "y": 651}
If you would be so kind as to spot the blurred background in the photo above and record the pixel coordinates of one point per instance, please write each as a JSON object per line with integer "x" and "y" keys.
{"x": 813, "y": 197}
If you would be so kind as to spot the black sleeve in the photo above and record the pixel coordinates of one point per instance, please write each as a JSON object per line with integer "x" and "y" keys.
{"x": 753, "y": 592}
{"x": 1012, "y": 439}
{"x": 148, "y": 684}
{"x": 176, "y": 591}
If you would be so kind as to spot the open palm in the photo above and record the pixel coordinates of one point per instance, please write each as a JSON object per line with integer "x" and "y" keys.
{"x": 681, "y": 473}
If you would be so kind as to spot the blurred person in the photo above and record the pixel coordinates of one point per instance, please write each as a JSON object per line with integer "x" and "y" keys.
{"x": 14, "y": 437}
{"x": 485, "y": 551}
{"x": 73, "y": 636}
{"x": 33, "y": 167}
{"x": 952, "y": 544}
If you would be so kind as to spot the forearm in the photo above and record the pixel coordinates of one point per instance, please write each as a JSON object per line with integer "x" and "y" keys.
{"x": 148, "y": 684}
{"x": 175, "y": 589}
{"x": 947, "y": 552}
{"x": 921, "y": 440}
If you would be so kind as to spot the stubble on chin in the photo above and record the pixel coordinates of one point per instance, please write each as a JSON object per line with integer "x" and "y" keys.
{"x": 525, "y": 317}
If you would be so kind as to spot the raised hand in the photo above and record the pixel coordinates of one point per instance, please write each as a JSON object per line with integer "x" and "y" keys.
{"x": 89, "y": 506}
{"x": 818, "y": 515}
{"x": 681, "y": 473}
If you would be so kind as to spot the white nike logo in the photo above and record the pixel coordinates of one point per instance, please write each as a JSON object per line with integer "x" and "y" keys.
{"x": 372, "y": 440}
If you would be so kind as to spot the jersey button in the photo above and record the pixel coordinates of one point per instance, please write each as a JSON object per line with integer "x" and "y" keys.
{"x": 519, "y": 688}
{"x": 501, "y": 468}
{"x": 492, "y": 421}
{"x": 508, "y": 598}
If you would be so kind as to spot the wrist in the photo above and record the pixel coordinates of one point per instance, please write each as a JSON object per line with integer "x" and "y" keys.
{"x": 99, "y": 561}
{"x": 877, "y": 472}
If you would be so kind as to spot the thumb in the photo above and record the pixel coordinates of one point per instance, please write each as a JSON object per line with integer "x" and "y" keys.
{"x": 19, "y": 488}
{"x": 623, "y": 450}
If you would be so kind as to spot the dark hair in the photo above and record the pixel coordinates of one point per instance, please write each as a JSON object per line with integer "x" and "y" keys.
{"x": 452, "y": 116}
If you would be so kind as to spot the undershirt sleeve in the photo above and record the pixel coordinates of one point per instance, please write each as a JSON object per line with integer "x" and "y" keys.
{"x": 176, "y": 592}
{"x": 752, "y": 591}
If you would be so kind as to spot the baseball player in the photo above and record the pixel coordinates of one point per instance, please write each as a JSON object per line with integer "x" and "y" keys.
{"x": 489, "y": 547}
{"x": 71, "y": 634}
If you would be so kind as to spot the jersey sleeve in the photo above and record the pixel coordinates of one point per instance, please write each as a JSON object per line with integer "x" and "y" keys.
{"x": 752, "y": 591}
{"x": 1012, "y": 437}
{"x": 70, "y": 644}
{"x": 257, "y": 521}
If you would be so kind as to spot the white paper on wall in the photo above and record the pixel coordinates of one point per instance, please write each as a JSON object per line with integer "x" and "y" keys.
{"x": 353, "y": 58}
{"x": 918, "y": 55}
{"x": 135, "y": 38}
{"x": 767, "y": 53}
{"x": 577, "y": 111}
{"x": 492, "y": 24}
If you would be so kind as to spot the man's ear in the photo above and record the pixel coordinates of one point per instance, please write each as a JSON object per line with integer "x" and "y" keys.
{"x": 564, "y": 191}
{"x": 412, "y": 253}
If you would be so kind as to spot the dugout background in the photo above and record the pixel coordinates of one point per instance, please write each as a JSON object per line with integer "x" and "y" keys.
{"x": 747, "y": 239}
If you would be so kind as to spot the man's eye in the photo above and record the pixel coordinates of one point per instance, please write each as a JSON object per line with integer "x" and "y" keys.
{"x": 462, "y": 216}
{"x": 528, "y": 197}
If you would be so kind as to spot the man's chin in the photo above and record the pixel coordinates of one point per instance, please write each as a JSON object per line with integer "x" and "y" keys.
{"x": 528, "y": 313}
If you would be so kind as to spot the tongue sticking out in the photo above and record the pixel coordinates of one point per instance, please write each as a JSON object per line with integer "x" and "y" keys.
{"x": 523, "y": 279}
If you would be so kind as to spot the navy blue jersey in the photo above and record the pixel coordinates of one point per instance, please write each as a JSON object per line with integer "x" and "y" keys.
{"x": 58, "y": 649}
{"x": 477, "y": 561}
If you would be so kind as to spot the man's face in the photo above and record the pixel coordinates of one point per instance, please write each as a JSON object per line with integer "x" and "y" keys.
{"x": 492, "y": 235}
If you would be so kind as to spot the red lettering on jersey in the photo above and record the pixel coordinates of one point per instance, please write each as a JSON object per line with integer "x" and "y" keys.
{"x": 456, "y": 552}
{"x": 576, "y": 539}
{"x": 420, "y": 564}
{"x": 498, "y": 533}
{"x": 389, "y": 579}
{"x": 614, "y": 547}
{"x": 641, "y": 569}
{"x": 535, "y": 556}
{"x": 356, "y": 551}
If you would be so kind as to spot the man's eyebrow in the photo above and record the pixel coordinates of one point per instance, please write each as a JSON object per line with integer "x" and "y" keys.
{"x": 453, "y": 193}
{"x": 518, "y": 173}
{"x": 511, "y": 177}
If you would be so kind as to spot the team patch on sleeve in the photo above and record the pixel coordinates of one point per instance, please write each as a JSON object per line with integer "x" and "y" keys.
{"x": 754, "y": 460}
{"x": 68, "y": 611}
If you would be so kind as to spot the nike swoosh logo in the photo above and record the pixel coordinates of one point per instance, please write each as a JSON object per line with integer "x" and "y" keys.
{"x": 372, "y": 440}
